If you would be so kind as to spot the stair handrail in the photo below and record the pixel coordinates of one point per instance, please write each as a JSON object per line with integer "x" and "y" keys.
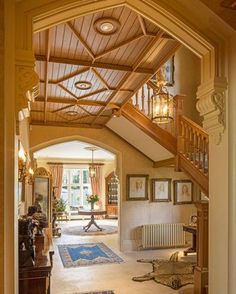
{"x": 193, "y": 143}
{"x": 142, "y": 100}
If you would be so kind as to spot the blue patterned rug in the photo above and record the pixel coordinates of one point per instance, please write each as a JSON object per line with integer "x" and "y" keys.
{"x": 73, "y": 255}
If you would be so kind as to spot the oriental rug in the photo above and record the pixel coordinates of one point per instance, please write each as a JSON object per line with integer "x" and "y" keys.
{"x": 93, "y": 231}
{"x": 75, "y": 255}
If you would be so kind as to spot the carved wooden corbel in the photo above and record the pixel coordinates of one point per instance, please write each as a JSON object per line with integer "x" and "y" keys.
{"x": 211, "y": 105}
{"x": 27, "y": 83}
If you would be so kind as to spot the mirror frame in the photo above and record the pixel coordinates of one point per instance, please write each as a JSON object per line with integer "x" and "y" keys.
{"x": 43, "y": 173}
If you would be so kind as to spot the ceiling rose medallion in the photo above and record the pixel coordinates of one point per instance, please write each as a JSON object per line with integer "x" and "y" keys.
{"x": 72, "y": 113}
{"x": 106, "y": 26}
{"x": 83, "y": 85}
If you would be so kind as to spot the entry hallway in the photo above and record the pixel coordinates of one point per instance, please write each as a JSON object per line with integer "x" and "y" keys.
{"x": 116, "y": 277}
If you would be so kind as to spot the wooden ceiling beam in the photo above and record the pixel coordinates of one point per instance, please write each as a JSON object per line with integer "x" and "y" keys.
{"x": 68, "y": 91}
{"x": 69, "y": 76}
{"x": 82, "y": 96}
{"x": 120, "y": 85}
{"x": 96, "y": 64}
{"x": 165, "y": 58}
{"x": 136, "y": 64}
{"x": 63, "y": 124}
{"x": 48, "y": 47}
{"x": 124, "y": 43}
{"x": 147, "y": 50}
{"x": 100, "y": 78}
{"x": 84, "y": 44}
{"x": 142, "y": 24}
{"x": 72, "y": 101}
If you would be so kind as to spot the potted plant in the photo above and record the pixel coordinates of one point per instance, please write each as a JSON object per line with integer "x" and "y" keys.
{"x": 60, "y": 207}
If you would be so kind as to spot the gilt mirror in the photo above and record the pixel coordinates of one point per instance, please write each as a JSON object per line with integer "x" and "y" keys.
{"x": 42, "y": 190}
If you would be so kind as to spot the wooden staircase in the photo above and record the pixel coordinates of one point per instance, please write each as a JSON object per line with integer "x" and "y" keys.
{"x": 186, "y": 140}
{"x": 189, "y": 143}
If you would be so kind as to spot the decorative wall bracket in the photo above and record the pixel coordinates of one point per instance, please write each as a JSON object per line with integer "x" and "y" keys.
{"x": 27, "y": 82}
{"x": 211, "y": 105}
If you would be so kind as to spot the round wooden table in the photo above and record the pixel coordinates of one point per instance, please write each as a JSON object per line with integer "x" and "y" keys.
{"x": 92, "y": 221}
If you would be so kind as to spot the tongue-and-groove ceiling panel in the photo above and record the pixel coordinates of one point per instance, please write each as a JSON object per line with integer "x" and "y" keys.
{"x": 110, "y": 67}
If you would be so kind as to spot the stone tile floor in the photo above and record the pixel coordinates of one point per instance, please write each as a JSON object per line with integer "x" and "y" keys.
{"x": 117, "y": 277}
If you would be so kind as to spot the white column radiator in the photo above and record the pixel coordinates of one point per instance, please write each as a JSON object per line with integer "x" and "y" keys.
{"x": 162, "y": 236}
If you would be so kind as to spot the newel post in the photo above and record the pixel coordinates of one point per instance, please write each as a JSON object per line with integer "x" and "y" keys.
{"x": 201, "y": 270}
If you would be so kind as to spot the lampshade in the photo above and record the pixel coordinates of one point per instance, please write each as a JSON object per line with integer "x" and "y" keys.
{"x": 92, "y": 171}
{"x": 162, "y": 103}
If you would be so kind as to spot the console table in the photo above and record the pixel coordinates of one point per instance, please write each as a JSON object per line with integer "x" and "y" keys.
{"x": 36, "y": 279}
{"x": 192, "y": 230}
{"x": 92, "y": 213}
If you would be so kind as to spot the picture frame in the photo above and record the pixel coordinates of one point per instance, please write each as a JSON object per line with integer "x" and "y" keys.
{"x": 183, "y": 192}
{"x": 137, "y": 187}
{"x": 168, "y": 72}
{"x": 41, "y": 193}
{"x": 161, "y": 190}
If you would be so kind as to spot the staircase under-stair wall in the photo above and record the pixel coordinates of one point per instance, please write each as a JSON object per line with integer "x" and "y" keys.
{"x": 189, "y": 143}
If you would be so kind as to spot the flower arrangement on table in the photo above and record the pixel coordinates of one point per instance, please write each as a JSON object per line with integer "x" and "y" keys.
{"x": 92, "y": 198}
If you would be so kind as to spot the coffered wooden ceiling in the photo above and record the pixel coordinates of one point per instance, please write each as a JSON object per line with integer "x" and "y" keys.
{"x": 115, "y": 66}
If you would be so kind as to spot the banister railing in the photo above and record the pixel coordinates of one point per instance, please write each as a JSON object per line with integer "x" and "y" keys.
{"x": 142, "y": 100}
{"x": 193, "y": 143}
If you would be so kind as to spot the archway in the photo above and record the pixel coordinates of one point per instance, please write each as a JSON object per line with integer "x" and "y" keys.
{"x": 33, "y": 16}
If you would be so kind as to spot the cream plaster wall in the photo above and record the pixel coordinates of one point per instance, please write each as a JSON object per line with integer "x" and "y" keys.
{"x": 187, "y": 77}
{"x": 232, "y": 168}
{"x": 2, "y": 144}
{"x": 129, "y": 161}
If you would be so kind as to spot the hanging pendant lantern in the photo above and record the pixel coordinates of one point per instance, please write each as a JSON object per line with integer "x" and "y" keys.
{"x": 162, "y": 104}
{"x": 92, "y": 168}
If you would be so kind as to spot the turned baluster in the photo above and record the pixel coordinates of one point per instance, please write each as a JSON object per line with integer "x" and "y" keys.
{"x": 199, "y": 151}
{"x": 143, "y": 99}
{"x": 194, "y": 147}
{"x": 149, "y": 100}
{"x": 185, "y": 139}
{"x": 136, "y": 100}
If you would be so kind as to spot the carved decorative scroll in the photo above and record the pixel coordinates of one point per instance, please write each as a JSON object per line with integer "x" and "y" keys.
{"x": 211, "y": 105}
{"x": 27, "y": 82}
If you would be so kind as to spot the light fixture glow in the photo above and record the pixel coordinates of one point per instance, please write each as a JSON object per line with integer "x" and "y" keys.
{"x": 106, "y": 27}
{"x": 83, "y": 85}
{"x": 92, "y": 168}
{"x": 162, "y": 104}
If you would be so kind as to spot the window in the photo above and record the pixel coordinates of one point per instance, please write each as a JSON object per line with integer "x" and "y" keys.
{"x": 76, "y": 187}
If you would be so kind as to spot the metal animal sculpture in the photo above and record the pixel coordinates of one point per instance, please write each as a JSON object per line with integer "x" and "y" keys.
{"x": 172, "y": 273}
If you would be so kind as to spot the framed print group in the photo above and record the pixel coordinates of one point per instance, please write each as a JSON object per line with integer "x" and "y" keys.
{"x": 183, "y": 192}
{"x": 161, "y": 190}
{"x": 137, "y": 187}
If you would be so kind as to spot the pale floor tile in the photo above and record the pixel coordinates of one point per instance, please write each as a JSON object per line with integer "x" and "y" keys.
{"x": 117, "y": 277}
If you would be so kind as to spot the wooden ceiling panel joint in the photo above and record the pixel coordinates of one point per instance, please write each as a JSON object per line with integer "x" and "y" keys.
{"x": 85, "y": 45}
{"x": 142, "y": 24}
{"x": 48, "y": 47}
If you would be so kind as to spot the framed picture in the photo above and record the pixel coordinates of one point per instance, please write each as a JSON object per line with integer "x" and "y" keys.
{"x": 183, "y": 192}
{"x": 42, "y": 194}
{"x": 168, "y": 72}
{"x": 161, "y": 190}
{"x": 137, "y": 187}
